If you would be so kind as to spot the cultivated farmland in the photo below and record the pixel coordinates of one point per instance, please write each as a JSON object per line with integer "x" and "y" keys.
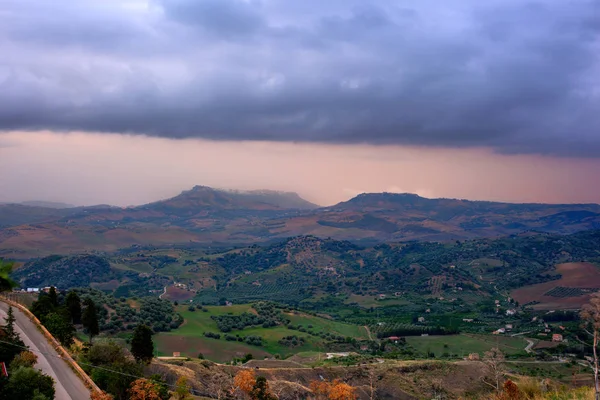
{"x": 571, "y": 291}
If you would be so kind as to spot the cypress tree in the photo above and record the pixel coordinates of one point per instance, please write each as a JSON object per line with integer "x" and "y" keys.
{"x": 142, "y": 346}
{"x": 53, "y": 296}
{"x": 89, "y": 319}
{"x": 73, "y": 303}
{"x": 11, "y": 343}
{"x": 9, "y": 328}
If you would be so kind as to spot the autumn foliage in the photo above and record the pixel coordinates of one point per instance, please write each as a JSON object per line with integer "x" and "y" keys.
{"x": 24, "y": 359}
{"x": 101, "y": 396}
{"x": 335, "y": 390}
{"x": 511, "y": 390}
{"x": 245, "y": 380}
{"x": 143, "y": 389}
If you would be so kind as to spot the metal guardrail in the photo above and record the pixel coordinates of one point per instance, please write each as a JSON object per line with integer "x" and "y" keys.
{"x": 87, "y": 381}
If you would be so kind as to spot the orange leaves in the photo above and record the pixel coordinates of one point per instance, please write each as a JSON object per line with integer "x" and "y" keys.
{"x": 101, "y": 396}
{"x": 511, "y": 390}
{"x": 335, "y": 390}
{"x": 320, "y": 389}
{"x": 143, "y": 389}
{"x": 245, "y": 380}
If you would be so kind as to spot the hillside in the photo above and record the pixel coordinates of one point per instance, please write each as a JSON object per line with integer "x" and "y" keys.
{"x": 204, "y": 216}
{"x": 305, "y": 270}
{"x": 389, "y": 216}
{"x": 19, "y": 214}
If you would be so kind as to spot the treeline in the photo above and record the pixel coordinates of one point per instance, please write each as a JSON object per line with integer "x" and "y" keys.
{"x": 253, "y": 340}
{"x": 118, "y": 315}
{"x": 267, "y": 315}
{"x": 413, "y": 330}
{"x": 59, "y": 315}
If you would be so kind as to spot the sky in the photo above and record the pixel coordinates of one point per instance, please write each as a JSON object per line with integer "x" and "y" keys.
{"x": 127, "y": 101}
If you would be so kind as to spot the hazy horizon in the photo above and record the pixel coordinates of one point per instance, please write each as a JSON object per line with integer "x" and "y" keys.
{"x": 123, "y": 170}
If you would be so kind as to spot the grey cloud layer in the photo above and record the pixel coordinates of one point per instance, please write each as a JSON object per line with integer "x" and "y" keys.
{"x": 517, "y": 76}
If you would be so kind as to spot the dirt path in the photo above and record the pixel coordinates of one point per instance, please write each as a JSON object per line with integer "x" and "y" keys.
{"x": 368, "y": 332}
{"x": 529, "y": 345}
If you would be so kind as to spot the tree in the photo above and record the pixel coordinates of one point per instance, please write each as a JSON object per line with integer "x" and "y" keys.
{"x": 60, "y": 327}
{"x": 6, "y": 283}
{"x": 52, "y": 296}
{"x": 373, "y": 378}
{"x": 37, "y": 395}
{"x": 320, "y": 389}
{"x": 89, "y": 318}
{"x": 494, "y": 359}
{"x": 335, "y": 390}
{"x": 341, "y": 391}
{"x": 590, "y": 314}
{"x": 24, "y": 359}
{"x": 161, "y": 386}
{"x": 10, "y": 320}
{"x": 101, "y": 396}
{"x": 73, "y": 304}
{"x": 42, "y": 307}
{"x": 245, "y": 380}
{"x": 220, "y": 385}
{"x": 142, "y": 346}
{"x": 260, "y": 390}
{"x": 182, "y": 389}
{"x": 116, "y": 378}
{"x": 10, "y": 341}
{"x": 143, "y": 389}
{"x": 24, "y": 382}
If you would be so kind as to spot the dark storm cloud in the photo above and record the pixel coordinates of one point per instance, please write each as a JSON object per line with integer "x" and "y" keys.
{"x": 517, "y": 76}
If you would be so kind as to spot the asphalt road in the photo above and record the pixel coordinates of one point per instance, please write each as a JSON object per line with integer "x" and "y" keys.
{"x": 67, "y": 384}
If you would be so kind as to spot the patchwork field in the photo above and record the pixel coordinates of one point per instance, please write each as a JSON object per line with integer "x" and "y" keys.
{"x": 189, "y": 338}
{"x": 561, "y": 294}
{"x": 464, "y": 344}
{"x": 373, "y": 301}
{"x": 175, "y": 293}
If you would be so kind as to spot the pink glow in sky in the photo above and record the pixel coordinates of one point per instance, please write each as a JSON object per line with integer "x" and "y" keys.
{"x": 85, "y": 169}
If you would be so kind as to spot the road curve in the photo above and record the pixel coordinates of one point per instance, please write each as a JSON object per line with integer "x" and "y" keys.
{"x": 67, "y": 384}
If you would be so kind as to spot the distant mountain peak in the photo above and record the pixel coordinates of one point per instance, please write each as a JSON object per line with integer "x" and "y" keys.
{"x": 390, "y": 195}
{"x": 279, "y": 198}
{"x": 206, "y": 197}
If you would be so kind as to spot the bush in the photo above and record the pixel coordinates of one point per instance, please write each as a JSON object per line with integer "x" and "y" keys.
{"x": 212, "y": 335}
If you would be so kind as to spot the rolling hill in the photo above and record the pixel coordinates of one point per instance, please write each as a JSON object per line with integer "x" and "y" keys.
{"x": 304, "y": 269}
{"x": 204, "y": 216}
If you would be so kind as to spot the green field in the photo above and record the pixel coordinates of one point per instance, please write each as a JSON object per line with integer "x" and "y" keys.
{"x": 374, "y": 301}
{"x": 189, "y": 338}
{"x": 464, "y": 344}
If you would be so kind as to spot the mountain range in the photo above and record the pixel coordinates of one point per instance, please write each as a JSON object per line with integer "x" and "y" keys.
{"x": 205, "y": 216}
